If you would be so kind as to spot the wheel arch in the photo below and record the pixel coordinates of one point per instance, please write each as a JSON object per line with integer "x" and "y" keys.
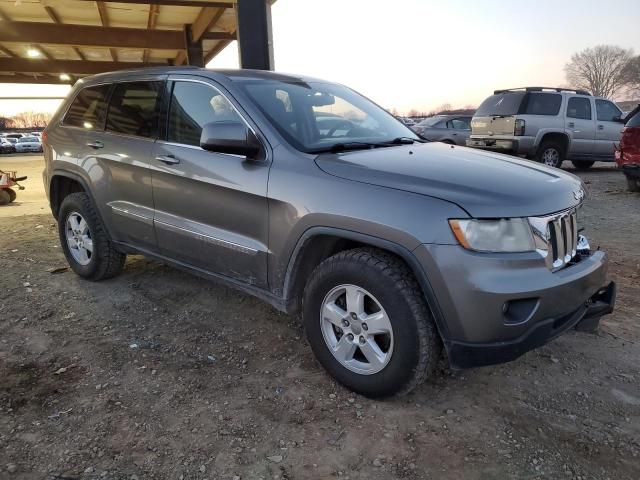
{"x": 560, "y": 137}
{"x": 319, "y": 243}
{"x": 63, "y": 184}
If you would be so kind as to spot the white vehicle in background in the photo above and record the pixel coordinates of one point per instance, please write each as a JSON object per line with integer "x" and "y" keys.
{"x": 28, "y": 144}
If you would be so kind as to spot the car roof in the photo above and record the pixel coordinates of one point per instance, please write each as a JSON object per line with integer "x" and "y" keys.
{"x": 224, "y": 75}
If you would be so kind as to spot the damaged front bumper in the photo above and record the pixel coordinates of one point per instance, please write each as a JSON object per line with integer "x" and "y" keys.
{"x": 586, "y": 319}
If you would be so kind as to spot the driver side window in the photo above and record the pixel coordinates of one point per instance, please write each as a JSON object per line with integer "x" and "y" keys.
{"x": 193, "y": 105}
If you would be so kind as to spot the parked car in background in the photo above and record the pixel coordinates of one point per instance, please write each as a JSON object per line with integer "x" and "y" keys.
{"x": 548, "y": 125}
{"x": 628, "y": 155}
{"x": 409, "y": 122}
{"x": 242, "y": 185}
{"x": 28, "y": 144}
{"x": 14, "y": 135}
{"x": 452, "y": 129}
{"x": 6, "y": 146}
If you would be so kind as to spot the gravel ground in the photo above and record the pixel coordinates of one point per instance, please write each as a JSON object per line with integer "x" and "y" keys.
{"x": 159, "y": 375}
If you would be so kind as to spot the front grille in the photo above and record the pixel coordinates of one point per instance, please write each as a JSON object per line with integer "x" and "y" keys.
{"x": 556, "y": 237}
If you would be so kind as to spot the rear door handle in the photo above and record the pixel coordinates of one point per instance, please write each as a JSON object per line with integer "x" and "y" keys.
{"x": 571, "y": 124}
{"x": 600, "y": 127}
{"x": 168, "y": 159}
{"x": 95, "y": 144}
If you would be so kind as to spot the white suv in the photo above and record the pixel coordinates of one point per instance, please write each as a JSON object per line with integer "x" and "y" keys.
{"x": 548, "y": 125}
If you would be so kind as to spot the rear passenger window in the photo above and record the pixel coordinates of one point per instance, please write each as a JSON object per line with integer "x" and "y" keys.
{"x": 133, "y": 109}
{"x": 193, "y": 105}
{"x": 579, "y": 107}
{"x": 88, "y": 109}
{"x": 606, "y": 111}
{"x": 543, "y": 104}
{"x": 461, "y": 124}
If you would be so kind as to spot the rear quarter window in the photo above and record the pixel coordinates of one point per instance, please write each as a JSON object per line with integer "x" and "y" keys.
{"x": 542, "y": 104}
{"x": 88, "y": 108}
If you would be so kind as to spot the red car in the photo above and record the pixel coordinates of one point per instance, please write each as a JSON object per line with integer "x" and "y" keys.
{"x": 628, "y": 155}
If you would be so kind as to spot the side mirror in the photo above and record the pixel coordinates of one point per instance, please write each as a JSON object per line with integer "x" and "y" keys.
{"x": 230, "y": 137}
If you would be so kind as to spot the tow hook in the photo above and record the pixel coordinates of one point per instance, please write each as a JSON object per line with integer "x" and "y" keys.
{"x": 601, "y": 303}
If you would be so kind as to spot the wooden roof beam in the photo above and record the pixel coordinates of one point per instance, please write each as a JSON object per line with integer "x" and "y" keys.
{"x": 154, "y": 11}
{"x": 178, "y": 3}
{"x": 33, "y": 79}
{"x": 70, "y": 67}
{"x": 206, "y": 19}
{"x": 56, "y": 19}
{"x": 104, "y": 19}
{"x": 90, "y": 36}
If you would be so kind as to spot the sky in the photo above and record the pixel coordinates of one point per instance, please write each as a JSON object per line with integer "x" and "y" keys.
{"x": 421, "y": 54}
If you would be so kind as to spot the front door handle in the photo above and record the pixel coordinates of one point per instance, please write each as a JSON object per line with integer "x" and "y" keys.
{"x": 168, "y": 159}
{"x": 571, "y": 124}
{"x": 600, "y": 127}
{"x": 95, "y": 144}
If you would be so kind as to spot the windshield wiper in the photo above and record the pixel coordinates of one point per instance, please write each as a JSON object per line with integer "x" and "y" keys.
{"x": 343, "y": 146}
{"x": 405, "y": 141}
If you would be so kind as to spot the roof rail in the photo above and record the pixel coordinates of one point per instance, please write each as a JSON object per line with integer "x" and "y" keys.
{"x": 541, "y": 89}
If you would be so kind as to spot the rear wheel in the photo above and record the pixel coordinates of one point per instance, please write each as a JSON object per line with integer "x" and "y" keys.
{"x": 85, "y": 241}
{"x": 550, "y": 153}
{"x": 12, "y": 194}
{"x": 368, "y": 324}
{"x": 633, "y": 184}
{"x": 582, "y": 164}
{"x": 4, "y": 197}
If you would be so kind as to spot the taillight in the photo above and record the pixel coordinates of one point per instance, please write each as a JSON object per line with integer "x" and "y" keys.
{"x": 518, "y": 127}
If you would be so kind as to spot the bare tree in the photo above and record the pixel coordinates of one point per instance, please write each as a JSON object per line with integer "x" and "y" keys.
{"x": 599, "y": 69}
{"x": 631, "y": 74}
{"x": 29, "y": 120}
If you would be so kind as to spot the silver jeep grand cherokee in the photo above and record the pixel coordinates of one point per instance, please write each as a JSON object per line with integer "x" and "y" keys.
{"x": 391, "y": 249}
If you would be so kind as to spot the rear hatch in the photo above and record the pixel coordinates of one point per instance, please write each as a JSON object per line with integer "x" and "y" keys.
{"x": 497, "y": 114}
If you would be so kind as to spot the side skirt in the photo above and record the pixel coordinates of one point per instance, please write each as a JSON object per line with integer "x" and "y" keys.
{"x": 276, "y": 302}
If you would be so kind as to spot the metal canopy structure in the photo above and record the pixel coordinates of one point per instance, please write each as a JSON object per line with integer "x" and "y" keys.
{"x": 58, "y": 41}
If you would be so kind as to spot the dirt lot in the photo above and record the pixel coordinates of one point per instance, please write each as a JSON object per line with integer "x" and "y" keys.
{"x": 158, "y": 374}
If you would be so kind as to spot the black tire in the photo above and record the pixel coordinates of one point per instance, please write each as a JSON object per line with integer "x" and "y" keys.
{"x": 4, "y": 197}
{"x": 633, "y": 184}
{"x": 12, "y": 194}
{"x": 582, "y": 164}
{"x": 106, "y": 261}
{"x": 549, "y": 146}
{"x": 417, "y": 345}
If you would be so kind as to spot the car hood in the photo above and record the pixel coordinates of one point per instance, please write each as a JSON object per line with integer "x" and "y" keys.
{"x": 486, "y": 185}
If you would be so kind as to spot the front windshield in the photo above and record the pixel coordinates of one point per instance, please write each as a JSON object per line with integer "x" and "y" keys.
{"x": 431, "y": 122}
{"x": 316, "y": 117}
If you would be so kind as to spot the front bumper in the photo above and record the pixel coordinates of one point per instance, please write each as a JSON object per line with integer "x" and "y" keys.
{"x": 495, "y": 307}
{"x": 586, "y": 318}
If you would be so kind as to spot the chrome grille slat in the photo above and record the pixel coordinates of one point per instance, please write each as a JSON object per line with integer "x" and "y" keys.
{"x": 556, "y": 237}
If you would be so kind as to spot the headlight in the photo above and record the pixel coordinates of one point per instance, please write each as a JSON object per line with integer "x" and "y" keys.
{"x": 504, "y": 235}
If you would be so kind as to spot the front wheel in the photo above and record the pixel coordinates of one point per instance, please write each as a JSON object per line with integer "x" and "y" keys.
{"x": 12, "y": 194}
{"x": 551, "y": 154}
{"x": 368, "y": 324}
{"x": 85, "y": 241}
{"x": 582, "y": 164}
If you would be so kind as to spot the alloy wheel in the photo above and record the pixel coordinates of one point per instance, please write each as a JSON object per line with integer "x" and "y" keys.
{"x": 356, "y": 329}
{"x": 79, "y": 238}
